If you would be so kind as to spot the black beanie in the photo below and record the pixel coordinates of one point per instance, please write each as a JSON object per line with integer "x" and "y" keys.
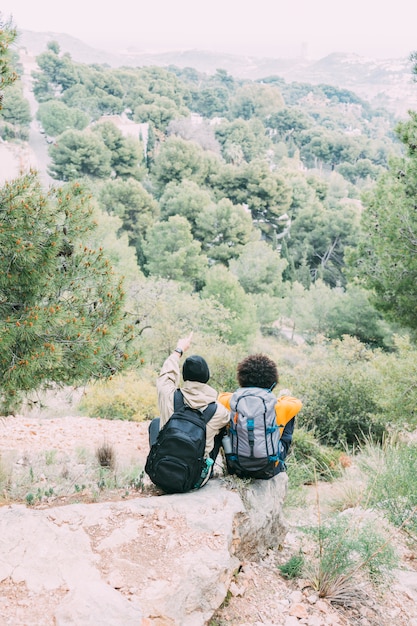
{"x": 195, "y": 368}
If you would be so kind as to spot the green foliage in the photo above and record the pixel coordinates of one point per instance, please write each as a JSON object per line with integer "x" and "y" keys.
{"x": 77, "y": 154}
{"x": 210, "y": 101}
{"x": 172, "y": 253}
{"x": 159, "y": 113}
{"x": 109, "y": 235}
{"x": 330, "y": 147}
{"x": 391, "y": 471}
{"x": 50, "y": 457}
{"x": 136, "y": 207}
{"x": 185, "y": 198}
{"x": 59, "y": 70}
{"x": 223, "y": 364}
{"x": 61, "y": 305}
{"x": 351, "y": 313}
{"x": 319, "y": 236}
{"x": 387, "y": 260}
{"x": 340, "y": 395}
{"x": 177, "y": 160}
{"x": 10, "y": 131}
{"x": 165, "y": 310}
{"x": 8, "y": 35}
{"x": 293, "y": 567}
{"x": 5, "y": 478}
{"x": 126, "y": 152}
{"x": 15, "y": 108}
{"x": 254, "y": 100}
{"x": 265, "y": 193}
{"x": 288, "y": 123}
{"x": 310, "y": 461}
{"x": 336, "y": 312}
{"x": 56, "y": 117}
{"x": 363, "y": 170}
{"x": 398, "y": 391}
{"x": 248, "y": 136}
{"x": 223, "y": 229}
{"x": 130, "y": 396}
{"x": 309, "y": 218}
{"x": 135, "y": 479}
{"x": 223, "y": 287}
{"x": 259, "y": 269}
{"x": 346, "y": 548}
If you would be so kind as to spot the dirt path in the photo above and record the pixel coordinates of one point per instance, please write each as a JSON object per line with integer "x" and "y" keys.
{"x": 31, "y": 435}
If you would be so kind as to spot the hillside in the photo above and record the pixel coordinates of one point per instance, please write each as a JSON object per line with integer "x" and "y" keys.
{"x": 383, "y": 82}
{"x": 58, "y": 445}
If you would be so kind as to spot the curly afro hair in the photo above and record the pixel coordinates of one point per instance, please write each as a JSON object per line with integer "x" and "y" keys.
{"x": 257, "y": 370}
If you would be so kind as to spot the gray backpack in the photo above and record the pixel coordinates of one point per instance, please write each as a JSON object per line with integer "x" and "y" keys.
{"x": 254, "y": 434}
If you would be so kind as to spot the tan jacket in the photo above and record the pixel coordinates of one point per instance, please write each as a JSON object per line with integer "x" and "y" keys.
{"x": 196, "y": 395}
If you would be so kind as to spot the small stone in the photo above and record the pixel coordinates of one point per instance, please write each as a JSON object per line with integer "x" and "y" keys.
{"x": 312, "y": 599}
{"x": 296, "y": 596}
{"x": 299, "y": 611}
{"x": 322, "y": 606}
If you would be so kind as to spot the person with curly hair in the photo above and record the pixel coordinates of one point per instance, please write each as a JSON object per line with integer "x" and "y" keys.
{"x": 257, "y": 374}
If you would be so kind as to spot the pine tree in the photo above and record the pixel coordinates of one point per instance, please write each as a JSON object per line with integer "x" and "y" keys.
{"x": 387, "y": 256}
{"x": 7, "y": 36}
{"x": 61, "y": 304}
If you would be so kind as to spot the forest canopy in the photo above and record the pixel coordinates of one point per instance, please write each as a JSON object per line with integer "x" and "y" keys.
{"x": 265, "y": 205}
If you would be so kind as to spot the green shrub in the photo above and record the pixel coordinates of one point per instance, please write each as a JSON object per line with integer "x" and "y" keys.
{"x": 126, "y": 397}
{"x": 348, "y": 547}
{"x": 5, "y": 478}
{"x": 293, "y": 567}
{"x": 309, "y": 461}
{"x": 341, "y": 403}
{"x": 398, "y": 388}
{"x": 10, "y": 131}
{"x": 392, "y": 471}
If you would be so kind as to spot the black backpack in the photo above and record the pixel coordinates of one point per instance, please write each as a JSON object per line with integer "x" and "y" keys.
{"x": 176, "y": 460}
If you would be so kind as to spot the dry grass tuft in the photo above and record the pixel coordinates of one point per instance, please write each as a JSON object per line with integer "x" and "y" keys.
{"x": 106, "y": 456}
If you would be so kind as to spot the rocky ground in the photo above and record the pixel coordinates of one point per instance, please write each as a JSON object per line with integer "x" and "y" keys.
{"x": 259, "y": 594}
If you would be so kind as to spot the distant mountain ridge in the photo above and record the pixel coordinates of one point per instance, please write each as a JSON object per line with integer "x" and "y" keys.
{"x": 383, "y": 82}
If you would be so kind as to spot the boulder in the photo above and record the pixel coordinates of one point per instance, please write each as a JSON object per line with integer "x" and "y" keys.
{"x": 165, "y": 559}
{"x": 262, "y": 525}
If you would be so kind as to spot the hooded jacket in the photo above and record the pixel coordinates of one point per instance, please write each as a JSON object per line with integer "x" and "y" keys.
{"x": 196, "y": 395}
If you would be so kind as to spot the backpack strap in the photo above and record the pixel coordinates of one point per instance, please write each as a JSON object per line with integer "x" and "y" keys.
{"x": 208, "y": 412}
{"x": 178, "y": 399}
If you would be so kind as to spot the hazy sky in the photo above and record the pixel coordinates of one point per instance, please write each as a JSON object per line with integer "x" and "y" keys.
{"x": 374, "y": 28}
